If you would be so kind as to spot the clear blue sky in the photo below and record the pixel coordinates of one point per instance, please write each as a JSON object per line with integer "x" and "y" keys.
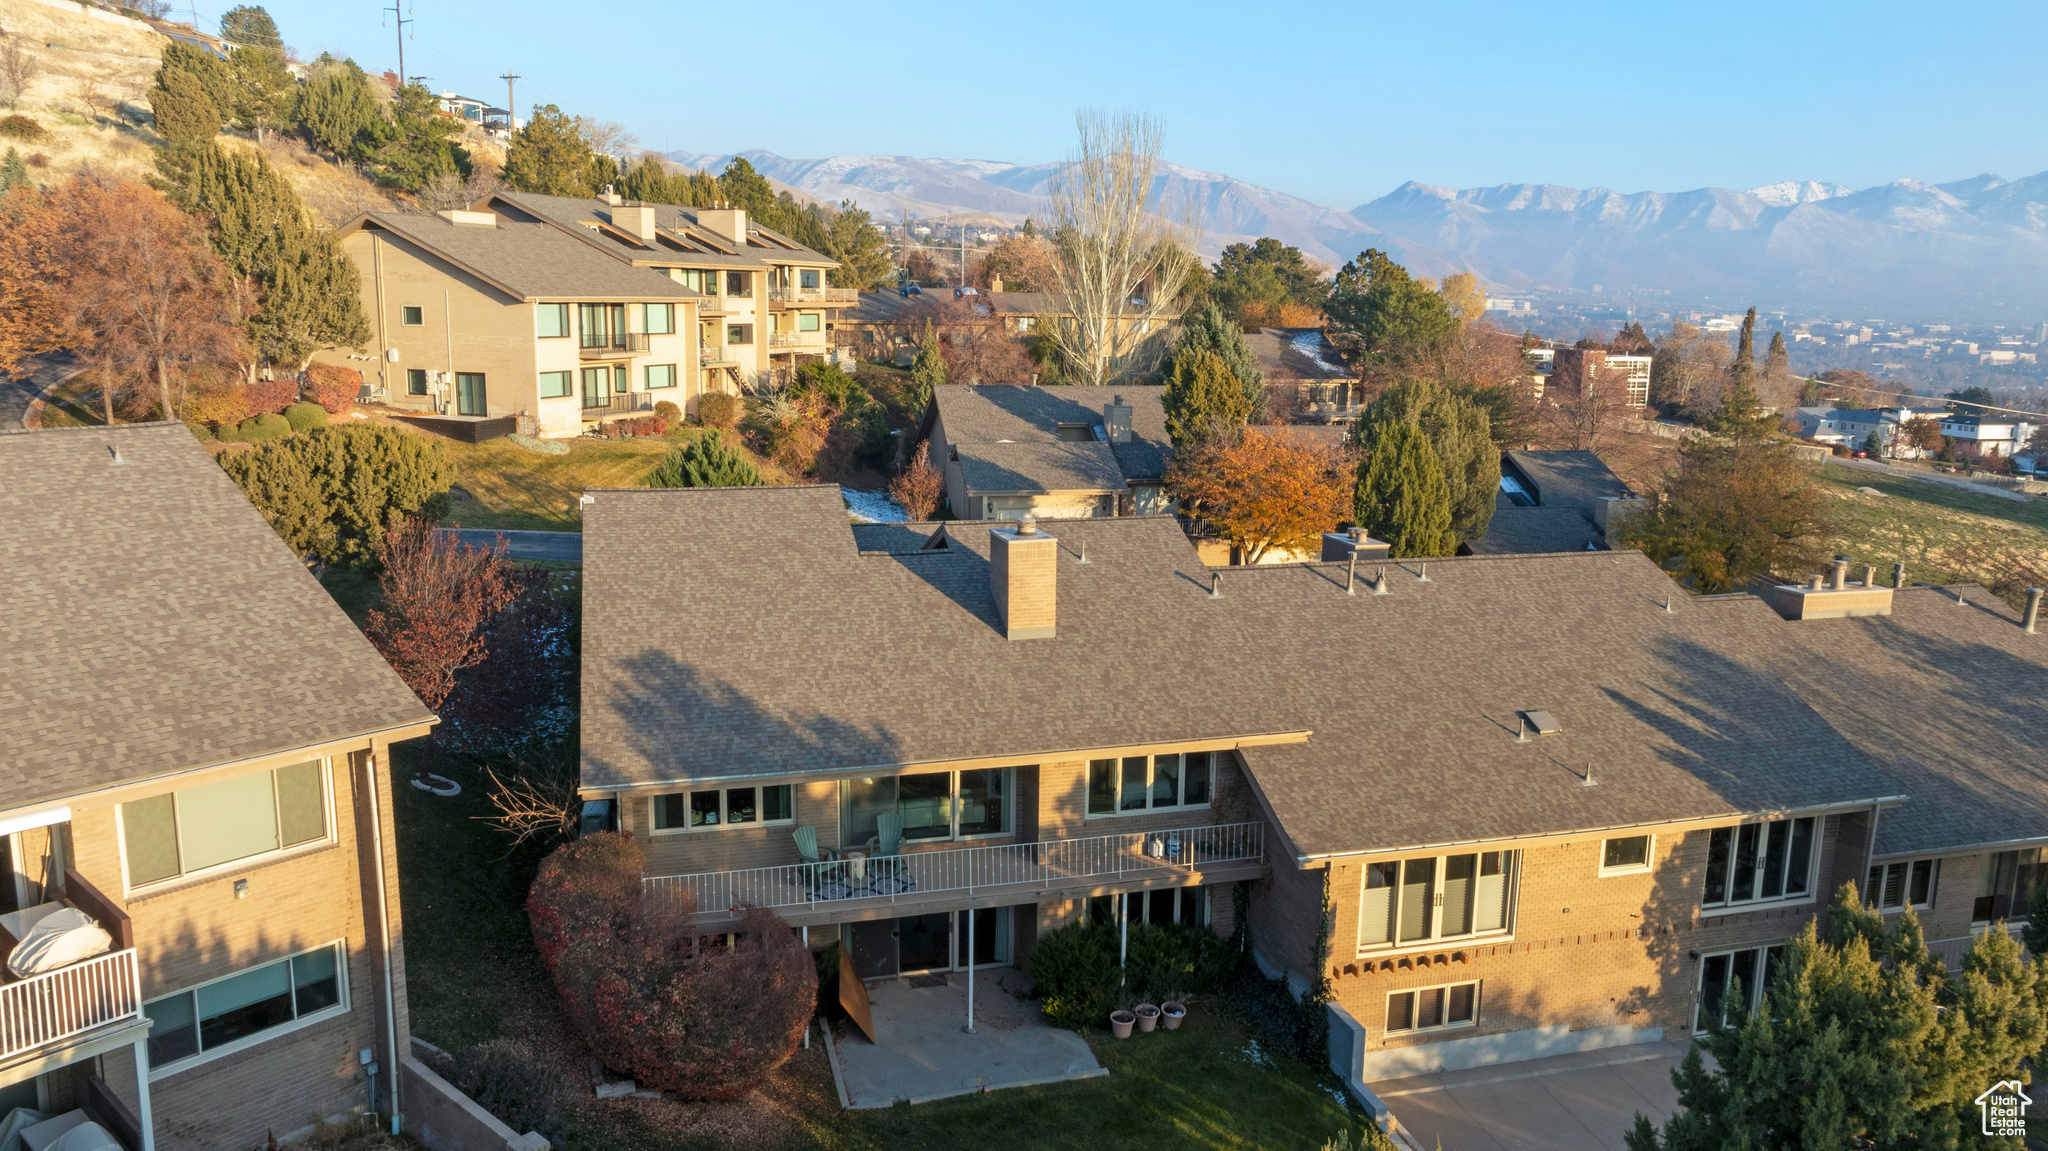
{"x": 1335, "y": 102}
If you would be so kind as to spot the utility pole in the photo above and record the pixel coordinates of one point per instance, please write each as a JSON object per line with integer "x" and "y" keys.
{"x": 511, "y": 108}
{"x": 398, "y": 14}
{"x": 963, "y": 255}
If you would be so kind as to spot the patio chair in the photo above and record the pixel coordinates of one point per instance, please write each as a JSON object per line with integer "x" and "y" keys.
{"x": 807, "y": 852}
{"x": 887, "y": 842}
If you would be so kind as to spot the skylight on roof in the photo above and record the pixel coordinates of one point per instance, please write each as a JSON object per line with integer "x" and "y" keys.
{"x": 1544, "y": 722}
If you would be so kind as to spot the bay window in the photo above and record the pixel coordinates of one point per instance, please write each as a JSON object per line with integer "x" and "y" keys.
{"x": 710, "y": 808}
{"x": 1906, "y": 883}
{"x": 1437, "y": 897}
{"x": 934, "y": 805}
{"x": 1433, "y": 1008}
{"x": 1760, "y": 862}
{"x": 1149, "y": 784}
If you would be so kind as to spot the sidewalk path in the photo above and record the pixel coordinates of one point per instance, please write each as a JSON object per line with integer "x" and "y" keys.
{"x": 524, "y": 545}
{"x": 18, "y": 392}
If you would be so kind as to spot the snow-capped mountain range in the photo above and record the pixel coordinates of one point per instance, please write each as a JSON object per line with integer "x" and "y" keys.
{"x": 1972, "y": 250}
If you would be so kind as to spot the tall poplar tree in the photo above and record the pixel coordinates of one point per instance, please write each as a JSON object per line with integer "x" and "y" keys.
{"x": 928, "y": 369}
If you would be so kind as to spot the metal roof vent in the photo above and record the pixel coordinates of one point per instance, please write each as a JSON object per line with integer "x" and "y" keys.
{"x": 1544, "y": 722}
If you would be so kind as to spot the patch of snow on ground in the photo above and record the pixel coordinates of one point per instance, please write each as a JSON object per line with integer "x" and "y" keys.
{"x": 873, "y": 507}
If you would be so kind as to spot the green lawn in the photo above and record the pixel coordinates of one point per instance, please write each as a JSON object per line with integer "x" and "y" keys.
{"x": 513, "y": 488}
{"x": 1943, "y": 534}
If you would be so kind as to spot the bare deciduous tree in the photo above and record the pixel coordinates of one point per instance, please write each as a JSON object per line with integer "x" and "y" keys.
{"x": 18, "y": 69}
{"x": 97, "y": 101}
{"x": 1580, "y": 416}
{"x": 919, "y": 487}
{"x": 607, "y": 137}
{"x": 1120, "y": 264}
{"x": 535, "y": 801}
{"x": 450, "y": 192}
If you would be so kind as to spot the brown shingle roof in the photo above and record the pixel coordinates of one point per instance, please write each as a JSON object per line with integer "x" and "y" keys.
{"x": 1565, "y": 479}
{"x": 994, "y": 414}
{"x": 1523, "y": 531}
{"x": 1297, "y": 354}
{"x": 531, "y": 261}
{"x": 157, "y": 624}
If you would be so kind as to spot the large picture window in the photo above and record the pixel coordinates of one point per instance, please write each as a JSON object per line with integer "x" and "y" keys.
{"x": 1433, "y": 1008}
{"x": 714, "y": 808}
{"x": 551, "y": 321}
{"x": 245, "y": 1008}
{"x": 1411, "y": 902}
{"x": 1907, "y": 883}
{"x": 660, "y": 319}
{"x": 198, "y": 828}
{"x": 2005, "y": 887}
{"x": 1149, "y": 784}
{"x": 933, "y": 804}
{"x": 555, "y": 385}
{"x": 1760, "y": 862}
{"x": 1751, "y": 967}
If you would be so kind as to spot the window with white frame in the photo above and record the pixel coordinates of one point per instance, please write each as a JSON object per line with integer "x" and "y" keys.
{"x": 1764, "y": 862}
{"x": 1751, "y": 967}
{"x": 1149, "y": 784}
{"x": 243, "y": 1009}
{"x": 1906, "y": 883}
{"x": 1433, "y": 1008}
{"x": 1161, "y": 905}
{"x": 932, "y": 804}
{"x": 708, "y": 809}
{"x": 196, "y": 829}
{"x": 1411, "y": 902}
{"x": 1625, "y": 854}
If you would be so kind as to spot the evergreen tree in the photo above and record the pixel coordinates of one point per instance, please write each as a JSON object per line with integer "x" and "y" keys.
{"x": 1743, "y": 369}
{"x": 708, "y": 462}
{"x": 213, "y": 75}
{"x": 1206, "y": 328}
{"x": 743, "y": 187}
{"x": 312, "y": 292}
{"x": 333, "y": 493}
{"x": 1460, "y": 435}
{"x": 854, "y": 241}
{"x": 928, "y": 368}
{"x": 1401, "y": 496}
{"x": 340, "y": 112}
{"x": 549, "y": 156}
{"x": 421, "y": 146}
{"x": 1204, "y": 401}
{"x": 184, "y": 114}
{"x": 1777, "y": 364}
{"x": 1741, "y": 415}
{"x": 1385, "y": 319}
{"x": 649, "y": 182}
{"x": 251, "y": 27}
{"x": 2035, "y": 933}
{"x": 264, "y": 90}
{"x": 13, "y": 172}
{"x": 1267, "y": 272}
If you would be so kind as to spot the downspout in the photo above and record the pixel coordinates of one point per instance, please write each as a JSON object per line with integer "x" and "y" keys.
{"x": 384, "y": 933}
{"x": 383, "y": 352}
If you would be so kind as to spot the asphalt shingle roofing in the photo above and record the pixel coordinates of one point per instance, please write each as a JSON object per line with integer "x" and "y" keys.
{"x": 1566, "y": 479}
{"x": 156, "y": 623}
{"x": 1005, "y": 415}
{"x": 814, "y": 657}
{"x": 678, "y": 223}
{"x": 531, "y": 261}
{"x": 1520, "y": 531}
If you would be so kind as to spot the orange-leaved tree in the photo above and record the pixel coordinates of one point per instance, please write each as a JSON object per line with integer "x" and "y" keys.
{"x": 1273, "y": 489}
{"x": 919, "y": 486}
{"x": 27, "y": 259}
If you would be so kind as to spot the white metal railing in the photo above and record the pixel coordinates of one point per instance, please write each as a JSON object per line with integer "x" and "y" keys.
{"x": 814, "y": 295}
{"x": 1019, "y": 865}
{"x": 1951, "y": 951}
{"x": 796, "y": 339}
{"x": 58, "y": 1005}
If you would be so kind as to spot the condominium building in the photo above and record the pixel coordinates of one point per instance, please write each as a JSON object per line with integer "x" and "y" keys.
{"x": 1571, "y": 368}
{"x": 199, "y": 920}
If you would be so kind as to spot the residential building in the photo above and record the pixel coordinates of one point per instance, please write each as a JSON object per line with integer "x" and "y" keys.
{"x": 1554, "y": 501}
{"x": 1306, "y": 377}
{"x": 765, "y": 308}
{"x": 887, "y": 326}
{"x": 1853, "y": 427}
{"x": 1572, "y": 367}
{"x": 493, "y": 324}
{"x": 465, "y": 108}
{"x": 1055, "y": 453}
{"x": 1504, "y": 807}
{"x": 200, "y": 890}
{"x": 1981, "y": 433}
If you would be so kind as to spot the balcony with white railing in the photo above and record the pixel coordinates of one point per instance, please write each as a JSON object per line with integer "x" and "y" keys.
{"x": 46, "y": 1011}
{"x": 1951, "y": 951}
{"x": 922, "y": 879}
{"x": 800, "y": 296}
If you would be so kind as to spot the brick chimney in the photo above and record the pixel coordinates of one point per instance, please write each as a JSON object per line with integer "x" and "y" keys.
{"x": 995, "y": 284}
{"x": 1116, "y": 421}
{"x": 728, "y": 222}
{"x": 1023, "y": 573}
{"x": 635, "y": 220}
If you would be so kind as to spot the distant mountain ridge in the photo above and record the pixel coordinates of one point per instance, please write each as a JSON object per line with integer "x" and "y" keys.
{"x": 1974, "y": 249}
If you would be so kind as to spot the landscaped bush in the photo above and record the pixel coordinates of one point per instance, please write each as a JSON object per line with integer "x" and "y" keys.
{"x": 264, "y": 428}
{"x": 703, "y": 1016}
{"x": 518, "y": 1085}
{"x": 19, "y": 127}
{"x": 639, "y": 426}
{"x": 224, "y": 405}
{"x": 304, "y": 417}
{"x": 718, "y": 410}
{"x": 668, "y": 410}
{"x": 271, "y": 395}
{"x": 335, "y": 492}
{"x": 333, "y": 387}
{"x": 1074, "y": 971}
{"x": 1076, "y": 974}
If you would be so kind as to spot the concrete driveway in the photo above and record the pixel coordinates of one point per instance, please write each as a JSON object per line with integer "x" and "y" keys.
{"x": 40, "y": 373}
{"x": 522, "y": 545}
{"x": 1563, "y": 1103}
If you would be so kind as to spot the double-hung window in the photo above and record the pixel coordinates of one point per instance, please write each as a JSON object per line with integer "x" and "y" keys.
{"x": 245, "y": 1008}
{"x": 1149, "y": 784}
{"x": 196, "y": 829}
{"x": 713, "y": 808}
{"x": 1761, "y": 862}
{"x": 1751, "y": 967}
{"x": 1420, "y": 901}
{"x": 1906, "y": 883}
{"x": 1433, "y": 1008}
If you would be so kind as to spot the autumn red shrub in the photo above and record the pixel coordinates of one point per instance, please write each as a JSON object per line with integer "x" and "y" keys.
{"x": 332, "y": 387}
{"x": 705, "y": 1016}
{"x": 267, "y": 397}
{"x": 438, "y": 596}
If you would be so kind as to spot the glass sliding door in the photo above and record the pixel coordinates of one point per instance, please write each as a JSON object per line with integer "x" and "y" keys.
{"x": 469, "y": 394}
{"x": 597, "y": 387}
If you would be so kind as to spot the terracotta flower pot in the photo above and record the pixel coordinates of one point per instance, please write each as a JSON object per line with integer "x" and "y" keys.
{"x": 1148, "y": 1017}
{"x": 1173, "y": 1011}
{"x": 1120, "y": 1023}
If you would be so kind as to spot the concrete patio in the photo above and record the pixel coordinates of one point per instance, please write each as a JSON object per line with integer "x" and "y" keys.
{"x": 1565, "y": 1102}
{"x": 923, "y": 1052}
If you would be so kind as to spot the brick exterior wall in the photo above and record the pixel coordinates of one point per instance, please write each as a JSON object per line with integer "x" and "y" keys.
{"x": 191, "y": 932}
